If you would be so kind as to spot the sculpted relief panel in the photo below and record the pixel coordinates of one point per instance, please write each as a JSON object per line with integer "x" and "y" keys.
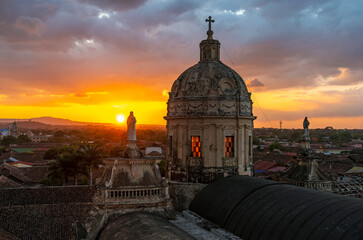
{"x": 227, "y": 86}
{"x": 197, "y": 107}
{"x": 212, "y": 108}
{"x": 197, "y": 86}
{"x": 245, "y": 109}
{"x": 176, "y": 109}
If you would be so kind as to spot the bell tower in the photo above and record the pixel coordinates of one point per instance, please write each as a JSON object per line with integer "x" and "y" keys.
{"x": 209, "y": 120}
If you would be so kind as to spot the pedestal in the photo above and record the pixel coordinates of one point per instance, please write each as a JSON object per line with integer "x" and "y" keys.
{"x": 132, "y": 149}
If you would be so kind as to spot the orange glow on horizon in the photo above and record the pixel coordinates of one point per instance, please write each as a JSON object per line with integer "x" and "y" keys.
{"x": 103, "y": 104}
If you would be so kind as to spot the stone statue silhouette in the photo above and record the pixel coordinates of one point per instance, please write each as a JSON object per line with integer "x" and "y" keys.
{"x": 131, "y": 127}
{"x": 306, "y": 127}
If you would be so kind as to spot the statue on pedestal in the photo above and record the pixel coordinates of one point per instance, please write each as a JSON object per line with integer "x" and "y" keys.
{"x": 131, "y": 127}
{"x": 306, "y": 138}
{"x": 132, "y": 150}
{"x": 306, "y": 128}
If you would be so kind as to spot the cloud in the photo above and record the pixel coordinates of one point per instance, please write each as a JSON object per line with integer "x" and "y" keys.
{"x": 255, "y": 83}
{"x": 29, "y": 25}
{"x": 326, "y": 104}
{"x": 115, "y": 5}
{"x": 65, "y": 48}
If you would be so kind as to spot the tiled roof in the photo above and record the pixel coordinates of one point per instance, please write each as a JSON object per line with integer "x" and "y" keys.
{"x": 26, "y": 163}
{"x": 264, "y": 165}
{"x": 276, "y": 169}
{"x": 13, "y": 172}
{"x": 8, "y": 183}
{"x": 23, "y": 150}
{"x": 5, "y": 235}
{"x": 154, "y": 153}
{"x": 355, "y": 170}
{"x": 36, "y": 173}
{"x": 281, "y": 159}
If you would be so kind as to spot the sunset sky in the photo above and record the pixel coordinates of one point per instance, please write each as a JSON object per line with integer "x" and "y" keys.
{"x": 91, "y": 60}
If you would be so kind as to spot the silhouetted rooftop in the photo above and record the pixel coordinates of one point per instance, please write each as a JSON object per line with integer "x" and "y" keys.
{"x": 254, "y": 208}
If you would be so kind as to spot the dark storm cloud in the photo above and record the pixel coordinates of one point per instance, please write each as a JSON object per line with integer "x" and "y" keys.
{"x": 290, "y": 43}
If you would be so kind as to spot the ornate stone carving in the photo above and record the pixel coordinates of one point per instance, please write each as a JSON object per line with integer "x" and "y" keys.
{"x": 229, "y": 106}
{"x": 195, "y": 162}
{"x": 197, "y": 108}
{"x": 212, "y": 105}
{"x": 175, "y": 87}
{"x": 219, "y": 126}
{"x": 244, "y": 108}
{"x": 229, "y": 162}
{"x": 197, "y": 85}
{"x": 213, "y": 108}
{"x": 227, "y": 86}
{"x": 176, "y": 109}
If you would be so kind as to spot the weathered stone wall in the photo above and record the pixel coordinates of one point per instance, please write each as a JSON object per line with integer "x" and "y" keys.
{"x": 43, "y": 213}
{"x": 183, "y": 193}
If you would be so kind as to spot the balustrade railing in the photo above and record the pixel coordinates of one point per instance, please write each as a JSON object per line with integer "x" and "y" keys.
{"x": 134, "y": 193}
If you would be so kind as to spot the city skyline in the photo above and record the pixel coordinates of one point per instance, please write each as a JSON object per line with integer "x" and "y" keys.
{"x": 90, "y": 61}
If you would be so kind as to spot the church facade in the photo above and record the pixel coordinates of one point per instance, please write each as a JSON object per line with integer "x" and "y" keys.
{"x": 209, "y": 120}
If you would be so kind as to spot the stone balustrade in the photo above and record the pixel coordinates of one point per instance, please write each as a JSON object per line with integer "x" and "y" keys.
{"x": 318, "y": 185}
{"x": 134, "y": 193}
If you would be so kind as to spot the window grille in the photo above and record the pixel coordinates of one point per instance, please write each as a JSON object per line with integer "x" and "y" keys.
{"x": 228, "y": 146}
{"x": 196, "y": 146}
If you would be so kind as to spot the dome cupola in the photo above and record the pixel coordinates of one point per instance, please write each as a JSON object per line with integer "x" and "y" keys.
{"x": 210, "y": 48}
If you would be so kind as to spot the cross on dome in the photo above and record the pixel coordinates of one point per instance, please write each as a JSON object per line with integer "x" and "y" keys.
{"x": 209, "y": 20}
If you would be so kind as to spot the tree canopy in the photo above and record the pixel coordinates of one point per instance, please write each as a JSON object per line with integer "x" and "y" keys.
{"x": 72, "y": 162}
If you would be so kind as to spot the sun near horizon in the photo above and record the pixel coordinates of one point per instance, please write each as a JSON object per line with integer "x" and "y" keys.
{"x": 120, "y": 118}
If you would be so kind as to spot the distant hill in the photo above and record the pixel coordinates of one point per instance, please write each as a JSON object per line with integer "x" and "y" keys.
{"x": 58, "y": 121}
{"x": 46, "y": 120}
{"x": 24, "y": 125}
{"x": 51, "y": 122}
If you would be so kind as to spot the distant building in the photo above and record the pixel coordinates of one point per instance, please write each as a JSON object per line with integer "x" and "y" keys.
{"x": 15, "y": 130}
{"x": 12, "y": 130}
{"x": 39, "y": 138}
{"x": 154, "y": 148}
{"x": 5, "y": 132}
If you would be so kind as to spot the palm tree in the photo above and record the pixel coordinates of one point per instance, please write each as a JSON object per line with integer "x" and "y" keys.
{"x": 57, "y": 174}
{"x": 90, "y": 155}
{"x": 65, "y": 166}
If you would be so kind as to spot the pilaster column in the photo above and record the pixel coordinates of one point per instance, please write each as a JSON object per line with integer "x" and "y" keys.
{"x": 220, "y": 145}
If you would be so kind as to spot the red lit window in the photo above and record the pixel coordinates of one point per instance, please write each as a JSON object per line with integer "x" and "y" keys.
{"x": 228, "y": 146}
{"x": 196, "y": 147}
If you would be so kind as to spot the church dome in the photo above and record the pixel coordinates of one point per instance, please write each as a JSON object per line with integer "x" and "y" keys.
{"x": 211, "y": 80}
{"x": 209, "y": 87}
